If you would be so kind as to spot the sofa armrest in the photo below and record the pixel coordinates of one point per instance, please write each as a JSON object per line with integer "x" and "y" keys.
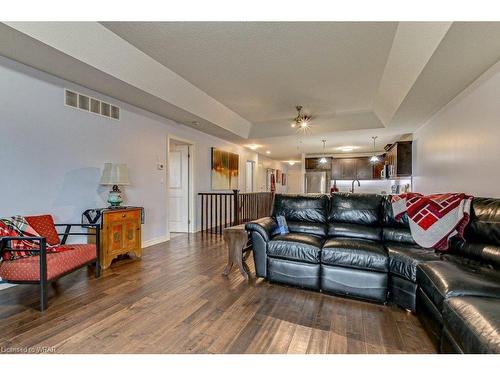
{"x": 264, "y": 226}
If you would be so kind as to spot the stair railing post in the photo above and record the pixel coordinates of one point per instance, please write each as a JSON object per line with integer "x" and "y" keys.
{"x": 236, "y": 212}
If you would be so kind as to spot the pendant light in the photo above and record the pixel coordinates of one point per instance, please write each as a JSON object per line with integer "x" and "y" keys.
{"x": 323, "y": 159}
{"x": 374, "y": 158}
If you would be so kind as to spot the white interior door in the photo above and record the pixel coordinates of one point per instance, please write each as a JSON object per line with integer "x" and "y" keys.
{"x": 178, "y": 216}
{"x": 249, "y": 176}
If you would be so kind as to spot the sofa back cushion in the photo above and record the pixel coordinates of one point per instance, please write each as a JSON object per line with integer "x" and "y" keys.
{"x": 355, "y": 215}
{"x": 484, "y": 225}
{"x": 301, "y": 208}
{"x": 482, "y": 235}
{"x": 394, "y": 230}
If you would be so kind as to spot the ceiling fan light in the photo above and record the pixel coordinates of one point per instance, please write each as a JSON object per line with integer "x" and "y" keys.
{"x": 374, "y": 159}
{"x": 322, "y": 160}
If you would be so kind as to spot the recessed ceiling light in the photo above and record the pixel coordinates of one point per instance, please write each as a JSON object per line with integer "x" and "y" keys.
{"x": 268, "y": 152}
{"x": 292, "y": 162}
{"x": 253, "y": 146}
{"x": 346, "y": 148}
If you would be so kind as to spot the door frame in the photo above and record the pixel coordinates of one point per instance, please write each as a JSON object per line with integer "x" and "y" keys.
{"x": 191, "y": 182}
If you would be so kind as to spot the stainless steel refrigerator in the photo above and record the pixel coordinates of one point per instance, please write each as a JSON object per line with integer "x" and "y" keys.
{"x": 316, "y": 182}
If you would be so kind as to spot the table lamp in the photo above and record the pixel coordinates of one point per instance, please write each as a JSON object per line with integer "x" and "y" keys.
{"x": 115, "y": 174}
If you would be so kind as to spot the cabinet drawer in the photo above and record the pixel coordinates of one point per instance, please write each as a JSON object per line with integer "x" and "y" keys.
{"x": 122, "y": 215}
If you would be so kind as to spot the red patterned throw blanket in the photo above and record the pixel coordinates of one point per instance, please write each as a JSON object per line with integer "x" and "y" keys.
{"x": 435, "y": 218}
{"x": 18, "y": 226}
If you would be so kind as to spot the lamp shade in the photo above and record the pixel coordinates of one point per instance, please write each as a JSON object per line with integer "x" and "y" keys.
{"x": 115, "y": 174}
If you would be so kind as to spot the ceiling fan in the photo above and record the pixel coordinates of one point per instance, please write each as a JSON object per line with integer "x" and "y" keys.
{"x": 302, "y": 122}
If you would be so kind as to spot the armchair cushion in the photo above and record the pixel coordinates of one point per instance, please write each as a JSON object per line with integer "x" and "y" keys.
{"x": 66, "y": 259}
{"x": 44, "y": 225}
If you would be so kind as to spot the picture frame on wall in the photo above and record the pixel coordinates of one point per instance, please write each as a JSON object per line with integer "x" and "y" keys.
{"x": 224, "y": 169}
{"x": 278, "y": 176}
{"x": 283, "y": 179}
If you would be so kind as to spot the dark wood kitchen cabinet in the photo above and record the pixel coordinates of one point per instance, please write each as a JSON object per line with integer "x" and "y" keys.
{"x": 314, "y": 164}
{"x": 364, "y": 169}
{"x": 352, "y": 169}
{"x": 399, "y": 159}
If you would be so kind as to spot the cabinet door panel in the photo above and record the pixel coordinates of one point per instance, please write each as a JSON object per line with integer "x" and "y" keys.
{"x": 131, "y": 234}
{"x": 115, "y": 239}
{"x": 336, "y": 169}
{"x": 364, "y": 169}
{"x": 348, "y": 167}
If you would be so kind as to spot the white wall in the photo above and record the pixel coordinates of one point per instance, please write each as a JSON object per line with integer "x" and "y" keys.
{"x": 295, "y": 178}
{"x": 458, "y": 150}
{"x": 265, "y": 163}
{"x": 52, "y": 155}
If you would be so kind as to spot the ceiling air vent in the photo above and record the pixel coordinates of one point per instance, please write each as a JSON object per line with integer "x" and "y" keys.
{"x": 91, "y": 105}
{"x": 95, "y": 106}
{"x": 71, "y": 98}
{"x": 83, "y": 102}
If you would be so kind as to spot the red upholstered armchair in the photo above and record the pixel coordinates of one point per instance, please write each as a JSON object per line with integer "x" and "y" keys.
{"x": 49, "y": 266}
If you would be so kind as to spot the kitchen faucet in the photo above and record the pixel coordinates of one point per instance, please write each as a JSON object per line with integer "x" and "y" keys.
{"x": 352, "y": 187}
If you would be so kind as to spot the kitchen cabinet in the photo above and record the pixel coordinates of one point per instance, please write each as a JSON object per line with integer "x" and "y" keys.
{"x": 399, "y": 159}
{"x": 364, "y": 169}
{"x": 352, "y": 169}
{"x": 314, "y": 164}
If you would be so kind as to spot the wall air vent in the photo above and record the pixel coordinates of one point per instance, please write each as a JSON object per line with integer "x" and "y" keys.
{"x": 92, "y": 105}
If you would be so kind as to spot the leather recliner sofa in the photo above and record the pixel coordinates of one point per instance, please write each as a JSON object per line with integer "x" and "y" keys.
{"x": 351, "y": 245}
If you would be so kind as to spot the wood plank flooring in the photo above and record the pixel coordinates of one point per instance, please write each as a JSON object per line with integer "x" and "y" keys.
{"x": 175, "y": 300}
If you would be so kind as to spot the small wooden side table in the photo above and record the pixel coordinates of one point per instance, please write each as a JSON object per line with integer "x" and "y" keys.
{"x": 236, "y": 239}
{"x": 120, "y": 233}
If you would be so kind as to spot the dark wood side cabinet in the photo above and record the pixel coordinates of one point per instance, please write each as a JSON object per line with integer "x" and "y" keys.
{"x": 120, "y": 234}
{"x": 399, "y": 159}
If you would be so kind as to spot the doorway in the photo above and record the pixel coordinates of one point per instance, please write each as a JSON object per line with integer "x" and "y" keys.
{"x": 250, "y": 169}
{"x": 179, "y": 186}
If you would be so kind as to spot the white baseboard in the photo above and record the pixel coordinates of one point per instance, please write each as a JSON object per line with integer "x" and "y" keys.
{"x": 154, "y": 241}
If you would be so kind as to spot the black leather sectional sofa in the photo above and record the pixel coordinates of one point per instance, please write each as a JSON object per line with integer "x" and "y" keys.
{"x": 351, "y": 245}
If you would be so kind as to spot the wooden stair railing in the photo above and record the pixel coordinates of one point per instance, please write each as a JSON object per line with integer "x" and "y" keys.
{"x": 222, "y": 210}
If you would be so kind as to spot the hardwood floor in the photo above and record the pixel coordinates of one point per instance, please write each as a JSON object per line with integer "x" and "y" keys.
{"x": 175, "y": 300}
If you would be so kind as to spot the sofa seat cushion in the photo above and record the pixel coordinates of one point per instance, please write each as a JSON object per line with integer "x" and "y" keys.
{"x": 296, "y": 246}
{"x": 444, "y": 279}
{"x": 363, "y": 232}
{"x": 404, "y": 258}
{"x": 401, "y": 235}
{"x": 473, "y": 323}
{"x": 28, "y": 269}
{"x": 355, "y": 253}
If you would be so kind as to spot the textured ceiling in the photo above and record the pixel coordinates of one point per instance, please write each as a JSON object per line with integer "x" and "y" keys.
{"x": 263, "y": 70}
